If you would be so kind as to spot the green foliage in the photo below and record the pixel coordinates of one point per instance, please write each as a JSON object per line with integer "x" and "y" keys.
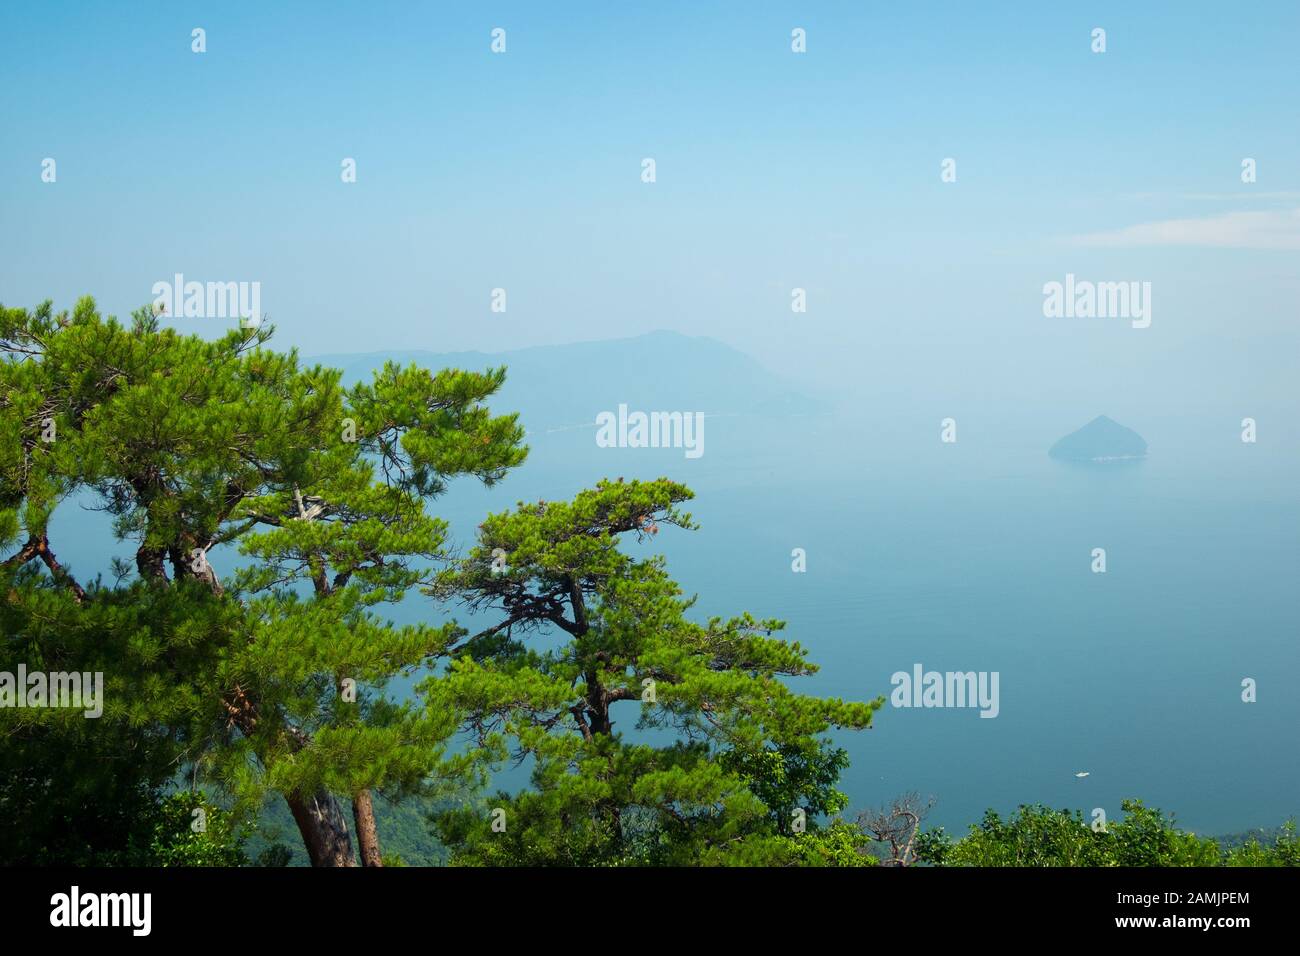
{"x": 1039, "y": 836}
{"x": 191, "y": 831}
{"x": 839, "y": 844}
{"x": 277, "y": 854}
{"x": 197, "y": 447}
{"x": 582, "y": 628}
{"x": 801, "y": 775}
{"x": 77, "y": 799}
{"x": 1283, "y": 851}
{"x": 84, "y": 790}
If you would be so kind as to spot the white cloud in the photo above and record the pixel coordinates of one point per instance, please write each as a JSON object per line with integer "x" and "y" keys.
{"x": 1240, "y": 196}
{"x": 1244, "y": 195}
{"x": 1261, "y": 229}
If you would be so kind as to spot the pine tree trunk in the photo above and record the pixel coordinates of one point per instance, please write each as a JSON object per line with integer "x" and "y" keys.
{"x": 323, "y": 827}
{"x": 363, "y": 812}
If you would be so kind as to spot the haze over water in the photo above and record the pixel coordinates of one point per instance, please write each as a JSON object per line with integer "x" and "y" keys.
{"x": 977, "y": 556}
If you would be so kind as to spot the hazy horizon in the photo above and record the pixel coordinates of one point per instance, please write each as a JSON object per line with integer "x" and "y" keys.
{"x": 775, "y": 170}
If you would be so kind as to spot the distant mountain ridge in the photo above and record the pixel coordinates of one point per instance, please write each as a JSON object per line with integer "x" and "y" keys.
{"x": 555, "y": 386}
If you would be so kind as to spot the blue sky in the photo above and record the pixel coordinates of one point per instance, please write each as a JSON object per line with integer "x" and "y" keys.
{"x": 774, "y": 170}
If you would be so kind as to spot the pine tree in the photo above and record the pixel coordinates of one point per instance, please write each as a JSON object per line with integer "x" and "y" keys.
{"x": 271, "y": 679}
{"x": 728, "y": 764}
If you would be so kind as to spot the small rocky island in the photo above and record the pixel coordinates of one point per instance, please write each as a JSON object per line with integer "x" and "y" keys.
{"x": 1101, "y": 440}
